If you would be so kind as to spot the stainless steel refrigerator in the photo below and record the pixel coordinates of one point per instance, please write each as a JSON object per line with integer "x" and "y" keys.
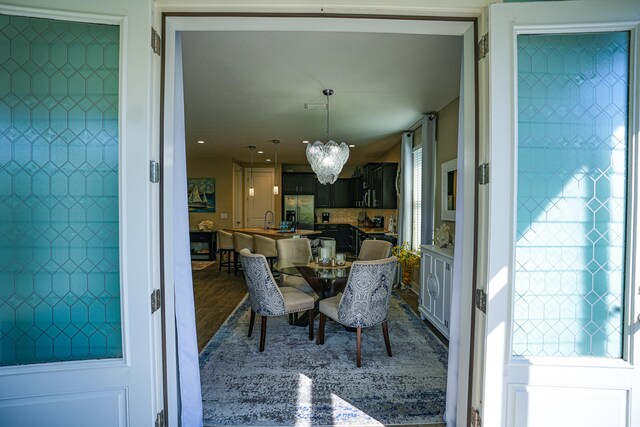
{"x": 299, "y": 210}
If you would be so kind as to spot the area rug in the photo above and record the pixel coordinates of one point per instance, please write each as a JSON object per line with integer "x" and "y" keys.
{"x": 296, "y": 382}
{"x": 201, "y": 265}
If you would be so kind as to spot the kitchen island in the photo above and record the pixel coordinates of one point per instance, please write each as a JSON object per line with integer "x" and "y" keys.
{"x": 274, "y": 233}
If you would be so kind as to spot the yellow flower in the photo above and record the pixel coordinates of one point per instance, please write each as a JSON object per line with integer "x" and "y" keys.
{"x": 406, "y": 257}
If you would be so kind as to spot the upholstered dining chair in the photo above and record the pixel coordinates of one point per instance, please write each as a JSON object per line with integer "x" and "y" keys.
{"x": 266, "y": 246}
{"x": 240, "y": 241}
{"x": 267, "y": 299}
{"x": 298, "y": 249}
{"x": 365, "y": 301}
{"x": 374, "y": 249}
{"x": 225, "y": 246}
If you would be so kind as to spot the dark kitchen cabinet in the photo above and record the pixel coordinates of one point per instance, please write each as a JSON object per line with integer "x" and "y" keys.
{"x": 380, "y": 183}
{"x": 334, "y": 195}
{"x": 298, "y": 183}
{"x": 341, "y": 193}
{"x": 356, "y": 192}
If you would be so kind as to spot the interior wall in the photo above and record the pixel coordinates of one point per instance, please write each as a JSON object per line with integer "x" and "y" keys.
{"x": 446, "y": 149}
{"x": 220, "y": 168}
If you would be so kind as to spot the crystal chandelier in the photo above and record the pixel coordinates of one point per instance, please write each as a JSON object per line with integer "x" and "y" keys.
{"x": 327, "y": 159}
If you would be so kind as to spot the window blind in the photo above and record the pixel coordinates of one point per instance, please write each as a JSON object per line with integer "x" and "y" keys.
{"x": 416, "y": 203}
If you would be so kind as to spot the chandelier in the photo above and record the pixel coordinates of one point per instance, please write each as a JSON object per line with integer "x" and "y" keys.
{"x": 327, "y": 159}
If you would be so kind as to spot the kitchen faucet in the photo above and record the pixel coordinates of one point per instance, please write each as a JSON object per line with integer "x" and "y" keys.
{"x": 267, "y": 223}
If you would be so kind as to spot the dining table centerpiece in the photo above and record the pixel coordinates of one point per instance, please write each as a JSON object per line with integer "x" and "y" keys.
{"x": 408, "y": 260}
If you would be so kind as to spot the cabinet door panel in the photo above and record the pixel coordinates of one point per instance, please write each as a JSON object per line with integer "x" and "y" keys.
{"x": 307, "y": 183}
{"x": 341, "y": 193}
{"x": 323, "y": 195}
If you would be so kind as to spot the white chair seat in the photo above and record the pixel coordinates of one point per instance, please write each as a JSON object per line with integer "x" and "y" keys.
{"x": 329, "y": 306}
{"x": 295, "y": 301}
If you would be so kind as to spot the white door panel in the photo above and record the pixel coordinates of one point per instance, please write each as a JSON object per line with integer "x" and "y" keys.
{"x": 79, "y": 343}
{"x": 263, "y": 200}
{"x": 560, "y": 342}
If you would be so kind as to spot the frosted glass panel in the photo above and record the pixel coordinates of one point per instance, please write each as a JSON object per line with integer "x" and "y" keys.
{"x": 571, "y": 200}
{"x": 59, "y": 254}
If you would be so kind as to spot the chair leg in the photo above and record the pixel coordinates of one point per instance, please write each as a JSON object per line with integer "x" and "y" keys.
{"x": 385, "y": 332}
{"x": 251, "y": 320}
{"x": 291, "y": 318}
{"x": 235, "y": 263}
{"x": 320, "y": 337}
{"x": 229, "y": 253}
{"x": 295, "y": 317}
{"x": 263, "y": 332}
{"x": 311, "y": 315}
{"x": 358, "y": 342}
{"x": 221, "y": 256}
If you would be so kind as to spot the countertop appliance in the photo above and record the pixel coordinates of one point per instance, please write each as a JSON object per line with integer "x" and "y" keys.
{"x": 378, "y": 221}
{"x": 325, "y": 217}
{"x": 299, "y": 210}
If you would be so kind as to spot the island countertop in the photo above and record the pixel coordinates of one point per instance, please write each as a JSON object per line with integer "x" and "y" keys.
{"x": 274, "y": 233}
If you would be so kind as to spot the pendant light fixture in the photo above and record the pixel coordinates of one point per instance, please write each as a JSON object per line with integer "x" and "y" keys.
{"x": 327, "y": 159}
{"x": 251, "y": 192}
{"x": 276, "y": 190}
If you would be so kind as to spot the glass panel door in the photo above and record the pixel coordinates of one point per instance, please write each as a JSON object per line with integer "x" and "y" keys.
{"x": 571, "y": 194}
{"x": 59, "y": 229}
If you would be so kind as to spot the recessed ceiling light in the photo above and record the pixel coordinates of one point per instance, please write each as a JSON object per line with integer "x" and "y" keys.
{"x": 267, "y": 160}
{"x": 305, "y": 142}
{"x": 260, "y": 152}
{"x": 200, "y": 141}
{"x": 352, "y": 146}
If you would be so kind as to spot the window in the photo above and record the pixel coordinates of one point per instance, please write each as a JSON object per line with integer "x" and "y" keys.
{"x": 416, "y": 200}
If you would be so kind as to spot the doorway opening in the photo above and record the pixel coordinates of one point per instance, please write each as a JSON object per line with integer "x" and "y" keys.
{"x": 228, "y": 30}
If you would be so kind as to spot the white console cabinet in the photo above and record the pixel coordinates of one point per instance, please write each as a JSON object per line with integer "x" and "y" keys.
{"x": 436, "y": 273}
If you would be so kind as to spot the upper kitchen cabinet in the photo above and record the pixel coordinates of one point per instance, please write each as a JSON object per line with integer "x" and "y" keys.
{"x": 380, "y": 183}
{"x": 334, "y": 195}
{"x": 298, "y": 183}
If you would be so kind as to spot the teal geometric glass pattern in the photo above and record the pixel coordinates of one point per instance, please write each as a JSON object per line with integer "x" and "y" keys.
{"x": 59, "y": 230}
{"x": 571, "y": 194}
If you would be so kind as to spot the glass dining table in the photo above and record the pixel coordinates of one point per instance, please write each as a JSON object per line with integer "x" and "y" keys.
{"x": 326, "y": 281}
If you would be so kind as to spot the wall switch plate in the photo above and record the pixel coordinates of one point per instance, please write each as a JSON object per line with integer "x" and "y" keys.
{"x": 223, "y": 215}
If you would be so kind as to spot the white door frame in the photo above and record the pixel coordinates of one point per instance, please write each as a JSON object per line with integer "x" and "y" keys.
{"x": 509, "y": 379}
{"x": 407, "y": 25}
{"x": 128, "y": 389}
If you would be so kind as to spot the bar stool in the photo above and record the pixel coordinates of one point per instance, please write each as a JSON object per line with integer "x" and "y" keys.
{"x": 240, "y": 242}
{"x": 225, "y": 245}
{"x": 266, "y": 246}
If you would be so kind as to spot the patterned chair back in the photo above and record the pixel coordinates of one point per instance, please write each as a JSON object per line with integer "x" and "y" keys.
{"x": 374, "y": 249}
{"x": 264, "y": 295}
{"x": 365, "y": 301}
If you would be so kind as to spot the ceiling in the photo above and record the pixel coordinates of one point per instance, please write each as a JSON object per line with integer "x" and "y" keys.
{"x": 247, "y": 88}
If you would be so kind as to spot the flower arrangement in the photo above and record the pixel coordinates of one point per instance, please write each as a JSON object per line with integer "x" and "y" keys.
{"x": 206, "y": 225}
{"x": 408, "y": 259}
{"x": 442, "y": 236}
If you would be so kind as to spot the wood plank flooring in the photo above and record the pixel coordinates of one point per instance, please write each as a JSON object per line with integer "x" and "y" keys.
{"x": 216, "y": 294}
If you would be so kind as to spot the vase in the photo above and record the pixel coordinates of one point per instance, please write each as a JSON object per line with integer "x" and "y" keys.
{"x": 406, "y": 276}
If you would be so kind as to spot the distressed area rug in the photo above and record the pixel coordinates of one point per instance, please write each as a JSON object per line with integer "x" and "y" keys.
{"x": 201, "y": 265}
{"x": 296, "y": 382}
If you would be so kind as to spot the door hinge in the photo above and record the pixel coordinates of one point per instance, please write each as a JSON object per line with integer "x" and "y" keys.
{"x": 154, "y": 171}
{"x": 475, "y": 418}
{"x": 481, "y": 300}
{"x": 483, "y": 174}
{"x": 156, "y": 300}
{"x": 160, "y": 419}
{"x": 483, "y": 47}
{"x": 156, "y": 42}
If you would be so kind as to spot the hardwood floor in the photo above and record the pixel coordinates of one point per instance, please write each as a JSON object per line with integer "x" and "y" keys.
{"x": 216, "y": 294}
